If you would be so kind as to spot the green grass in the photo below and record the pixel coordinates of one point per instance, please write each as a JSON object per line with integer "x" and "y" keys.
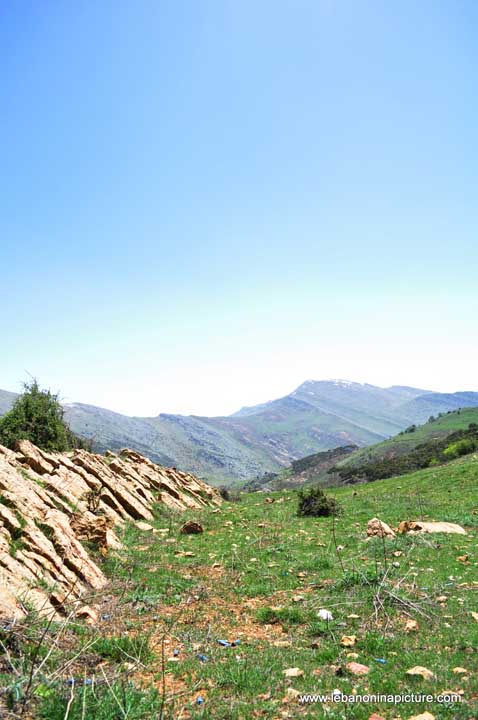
{"x": 125, "y": 648}
{"x": 259, "y": 574}
{"x": 119, "y": 701}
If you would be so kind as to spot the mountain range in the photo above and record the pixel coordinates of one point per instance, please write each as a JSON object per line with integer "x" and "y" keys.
{"x": 318, "y": 415}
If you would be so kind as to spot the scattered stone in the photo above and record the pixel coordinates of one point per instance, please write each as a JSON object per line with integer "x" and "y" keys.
{"x": 88, "y": 614}
{"x": 423, "y": 672}
{"x": 290, "y": 695}
{"x": 357, "y": 668}
{"x": 348, "y": 640}
{"x": 146, "y": 527}
{"x": 293, "y": 672}
{"x": 191, "y": 527}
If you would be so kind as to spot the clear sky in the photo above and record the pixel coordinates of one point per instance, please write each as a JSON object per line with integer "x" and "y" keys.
{"x": 205, "y": 202}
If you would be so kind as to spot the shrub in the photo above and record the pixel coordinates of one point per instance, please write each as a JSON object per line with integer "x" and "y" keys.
{"x": 462, "y": 447}
{"x": 38, "y": 416}
{"x": 313, "y": 502}
{"x": 228, "y": 494}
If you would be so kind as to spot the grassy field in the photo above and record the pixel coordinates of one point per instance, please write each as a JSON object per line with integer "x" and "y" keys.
{"x": 256, "y": 578}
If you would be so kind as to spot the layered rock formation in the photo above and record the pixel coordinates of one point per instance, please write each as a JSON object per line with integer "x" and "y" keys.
{"x": 53, "y": 507}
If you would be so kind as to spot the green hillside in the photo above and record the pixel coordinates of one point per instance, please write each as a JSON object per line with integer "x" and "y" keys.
{"x": 416, "y": 446}
{"x": 405, "y": 441}
{"x": 257, "y": 577}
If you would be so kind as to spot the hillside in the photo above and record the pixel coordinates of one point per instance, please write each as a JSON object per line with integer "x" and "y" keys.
{"x": 6, "y": 400}
{"x": 188, "y": 627}
{"x": 412, "y": 448}
{"x": 317, "y": 416}
{"x": 404, "y": 442}
{"x": 312, "y": 469}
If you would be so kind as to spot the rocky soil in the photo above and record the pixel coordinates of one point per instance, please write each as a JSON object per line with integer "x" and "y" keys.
{"x": 58, "y": 510}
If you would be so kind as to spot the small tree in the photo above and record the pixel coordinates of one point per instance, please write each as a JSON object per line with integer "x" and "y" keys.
{"x": 38, "y": 416}
{"x": 313, "y": 502}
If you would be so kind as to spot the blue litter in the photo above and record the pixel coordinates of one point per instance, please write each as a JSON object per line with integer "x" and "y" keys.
{"x": 199, "y": 700}
{"x": 175, "y": 652}
{"x": 235, "y": 642}
{"x": 88, "y": 681}
{"x": 71, "y": 681}
{"x": 203, "y": 658}
{"x": 224, "y": 643}
{"x": 105, "y": 616}
{"x": 382, "y": 661}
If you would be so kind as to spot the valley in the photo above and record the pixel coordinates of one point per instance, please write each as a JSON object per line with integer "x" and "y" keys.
{"x": 317, "y": 416}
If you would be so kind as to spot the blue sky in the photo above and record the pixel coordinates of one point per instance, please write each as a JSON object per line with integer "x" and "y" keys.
{"x": 205, "y": 203}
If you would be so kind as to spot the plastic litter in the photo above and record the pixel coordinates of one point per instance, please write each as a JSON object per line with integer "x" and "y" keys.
{"x": 382, "y": 661}
{"x": 199, "y": 700}
{"x": 203, "y": 658}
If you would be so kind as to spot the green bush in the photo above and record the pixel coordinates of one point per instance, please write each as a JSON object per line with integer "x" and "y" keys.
{"x": 38, "y": 416}
{"x": 313, "y": 502}
{"x": 462, "y": 447}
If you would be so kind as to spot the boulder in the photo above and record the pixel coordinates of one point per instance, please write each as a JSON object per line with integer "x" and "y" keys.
{"x": 378, "y": 528}
{"x": 420, "y": 526}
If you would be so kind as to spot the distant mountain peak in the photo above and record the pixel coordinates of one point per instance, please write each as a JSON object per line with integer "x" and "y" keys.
{"x": 343, "y": 383}
{"x": 336, "y": 382}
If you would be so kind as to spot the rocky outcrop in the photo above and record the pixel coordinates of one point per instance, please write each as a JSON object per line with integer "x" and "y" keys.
{"x": 54, "y": 507}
